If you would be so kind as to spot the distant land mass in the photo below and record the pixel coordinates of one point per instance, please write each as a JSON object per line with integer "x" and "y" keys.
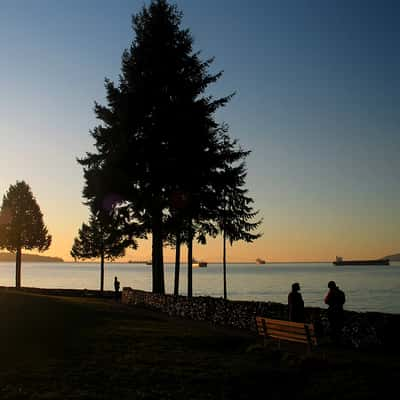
{"x": 9, "y": 257}
{"x": 393, "y": 257}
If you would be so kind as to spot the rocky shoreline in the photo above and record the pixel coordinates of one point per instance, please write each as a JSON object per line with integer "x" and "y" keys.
{"x": 361, "y": 330}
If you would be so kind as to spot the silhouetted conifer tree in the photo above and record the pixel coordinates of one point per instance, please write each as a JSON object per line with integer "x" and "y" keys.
{"x": 236, "y": 214}
{"x": 21, "y": 224}
{"x": 218, "y": 201}
{"x": 156, "y": 127}
{"x": 101, "y": 238}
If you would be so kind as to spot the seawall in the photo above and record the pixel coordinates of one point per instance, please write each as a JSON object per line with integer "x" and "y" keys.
{"x": 361, "y": 330}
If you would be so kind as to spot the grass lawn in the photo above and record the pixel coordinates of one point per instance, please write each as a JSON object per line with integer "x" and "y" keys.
{"x": 75, "y": 348}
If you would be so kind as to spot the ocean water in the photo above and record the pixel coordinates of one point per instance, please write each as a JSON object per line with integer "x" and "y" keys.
{"x": 367, "y": 288}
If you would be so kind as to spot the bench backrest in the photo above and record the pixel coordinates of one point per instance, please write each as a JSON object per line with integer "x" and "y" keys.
{"x": 286, "y": 330}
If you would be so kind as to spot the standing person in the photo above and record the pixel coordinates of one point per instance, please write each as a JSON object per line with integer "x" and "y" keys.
{"x": 335, "y": 298}
{"x": 116, "y": 288}
{"x": 296, "y": 304}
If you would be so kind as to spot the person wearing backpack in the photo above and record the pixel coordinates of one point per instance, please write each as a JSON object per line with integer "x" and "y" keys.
{"x": 335, "y": 298}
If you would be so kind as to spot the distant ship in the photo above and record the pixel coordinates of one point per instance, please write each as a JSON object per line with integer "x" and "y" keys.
{"x": 340, "y": 261}
{"x": 139, "y": 262}
{"x": 260, "y": 261}
{"x": 199, "y": 264}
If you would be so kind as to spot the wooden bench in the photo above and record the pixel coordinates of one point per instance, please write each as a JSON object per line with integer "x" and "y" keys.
{"x": 286, "y": 330}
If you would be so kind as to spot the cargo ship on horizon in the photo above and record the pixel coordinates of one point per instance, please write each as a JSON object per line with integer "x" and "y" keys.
{"x": 198, "y": 264}
{"x": 340, "y": 261}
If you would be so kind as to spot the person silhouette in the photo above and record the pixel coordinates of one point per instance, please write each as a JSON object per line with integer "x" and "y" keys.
{"x": 335, "y": 298}
{"x": 296, "y": 304}
{"x": 116, "y": 288}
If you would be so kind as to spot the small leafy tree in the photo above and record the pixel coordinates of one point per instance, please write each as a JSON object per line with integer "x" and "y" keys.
{"x": 101, "y": 238}
{"x": 21, "y": 224}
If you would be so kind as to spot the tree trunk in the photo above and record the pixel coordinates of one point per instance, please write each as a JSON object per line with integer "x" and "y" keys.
{"x": 177, "y": 262}
{"x": 157, "y": 253}
{"x": 190, "y": 261}
{"x": 224, "y": 262}
{"x": 102, "y": 271}
{"x": 18, "y": 268}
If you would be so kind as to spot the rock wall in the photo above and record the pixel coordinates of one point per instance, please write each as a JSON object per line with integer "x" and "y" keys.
{"x": 361, "y": 329}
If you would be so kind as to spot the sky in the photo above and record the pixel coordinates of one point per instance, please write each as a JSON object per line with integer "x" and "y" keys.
{"x": 317, "y": 102}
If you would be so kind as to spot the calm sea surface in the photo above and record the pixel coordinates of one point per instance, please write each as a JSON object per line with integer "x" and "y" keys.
{"x": 367, "y": 288}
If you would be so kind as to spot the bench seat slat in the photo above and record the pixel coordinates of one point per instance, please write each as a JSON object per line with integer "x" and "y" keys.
{"x": 289, "y": 324}
{"x": 282, "y": 322}
{"x": 299, "y": 330}
{"x": 286, "y": 335}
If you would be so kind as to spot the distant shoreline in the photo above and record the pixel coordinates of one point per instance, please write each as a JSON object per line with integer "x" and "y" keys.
{"x": 9, "y": 257}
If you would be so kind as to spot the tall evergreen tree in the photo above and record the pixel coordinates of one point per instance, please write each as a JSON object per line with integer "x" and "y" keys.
{"x": 156, "y": 126}
{"x": 101, "y": 238}
{"x": 21, "y": 224}
{"x": 221, "y": 198}
{"x": 236, "y": 214}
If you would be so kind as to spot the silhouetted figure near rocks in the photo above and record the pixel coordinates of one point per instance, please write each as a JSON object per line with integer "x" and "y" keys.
{"x": 116, "y": 288}
{"x": 335, "y": 299}
{"x": 296, "y": 304}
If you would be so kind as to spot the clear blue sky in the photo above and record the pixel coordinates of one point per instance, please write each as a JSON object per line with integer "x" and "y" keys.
{"x": 318, "y": 92}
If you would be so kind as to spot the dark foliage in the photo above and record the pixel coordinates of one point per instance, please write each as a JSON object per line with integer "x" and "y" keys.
{"x": 101, "y": 238}
{"x": 160, "y": 155}
{"x": 21, "y": 224}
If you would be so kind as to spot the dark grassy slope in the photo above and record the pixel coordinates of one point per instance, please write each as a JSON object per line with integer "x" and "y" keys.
{"x": 74, "y": 348}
